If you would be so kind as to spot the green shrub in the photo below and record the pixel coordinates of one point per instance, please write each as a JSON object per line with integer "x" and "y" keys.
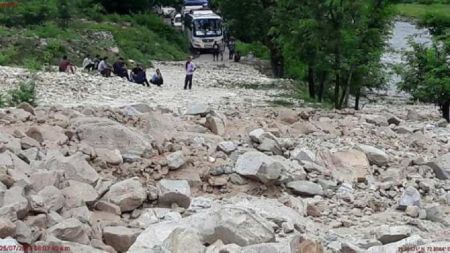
{"x": 32, "y": 64}
{"x": 2, "y": 101}
{"x": 257, "y": 48}
{"x": 26, "y": 92}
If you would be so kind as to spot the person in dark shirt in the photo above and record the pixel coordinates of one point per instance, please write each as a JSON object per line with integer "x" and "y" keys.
{"x": 139, "y": 76}
{"x": 216, "y": 51}
{"x": 120, "y": 69}
{"x": 157, "y": 78}
{"x": 66, "y": 66}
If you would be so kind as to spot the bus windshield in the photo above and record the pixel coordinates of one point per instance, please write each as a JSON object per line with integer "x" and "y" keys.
{"x": 207, "y": 27}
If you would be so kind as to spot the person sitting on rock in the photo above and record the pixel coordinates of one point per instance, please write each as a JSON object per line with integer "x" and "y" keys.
{"x": 139, "y": 76}
{"x": 104, "y": 68}
{"x": 157, "y": 78}
{"x": 66, "y": 66}
{"x": 96, "y": 61}
{"x": 88, "y": 63}
{"x": 237, "y": 56}
{"x": 120, "y": 69}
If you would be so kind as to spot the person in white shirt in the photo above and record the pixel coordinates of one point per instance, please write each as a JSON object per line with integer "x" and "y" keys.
{"x": 190, "y": 68}
{"x": 88, "y": 63}
{"x": 104, "y": 68}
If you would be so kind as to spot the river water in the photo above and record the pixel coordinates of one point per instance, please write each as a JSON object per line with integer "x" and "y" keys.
{"x": 402, "y": 32}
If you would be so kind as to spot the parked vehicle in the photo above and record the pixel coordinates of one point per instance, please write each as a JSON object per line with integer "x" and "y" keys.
{"x": 191, "y": 5}
{"x": 176, "y": 21}
{"x": 203, "y": 28}
{"x": 167, "y": 11}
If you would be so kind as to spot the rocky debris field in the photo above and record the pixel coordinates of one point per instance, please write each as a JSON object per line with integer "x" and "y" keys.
{"x": 215, "y": 83}
{"x": 102, "y": 165}
{"x": 145, "y": 179}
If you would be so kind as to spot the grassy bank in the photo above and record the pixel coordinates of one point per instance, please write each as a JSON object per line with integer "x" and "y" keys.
{"x": 41, "y": 39}
{"x": 420, "y": 11}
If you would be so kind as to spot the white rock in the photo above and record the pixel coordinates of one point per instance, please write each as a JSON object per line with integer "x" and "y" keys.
{"x": 119, "y": 237}
{"x": 175, "y": 160}
{"x": 128, "y": 194}
{"x": 174, "y": 191}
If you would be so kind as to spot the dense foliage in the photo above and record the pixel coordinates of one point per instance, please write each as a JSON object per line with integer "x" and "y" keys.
{"x": 37, "y": 33}
{"x": 427, "y": 76}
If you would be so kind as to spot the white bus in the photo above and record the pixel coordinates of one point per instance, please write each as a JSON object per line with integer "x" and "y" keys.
{"x": 203, "y": 28}
{"x": 191, "y": 5}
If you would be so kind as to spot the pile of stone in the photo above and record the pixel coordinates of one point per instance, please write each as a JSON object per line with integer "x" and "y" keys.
{"x": 147, "y": 179}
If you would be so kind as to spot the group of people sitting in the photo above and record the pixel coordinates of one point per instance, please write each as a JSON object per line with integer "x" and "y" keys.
{"x": 119, "y": 68}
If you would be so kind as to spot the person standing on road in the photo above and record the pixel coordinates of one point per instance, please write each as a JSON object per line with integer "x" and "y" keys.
{"x": 190, "y": 68}
{"x": 216, "y": 51}
{"x": 231, "y": 48}
{"x": 222, "y": 49}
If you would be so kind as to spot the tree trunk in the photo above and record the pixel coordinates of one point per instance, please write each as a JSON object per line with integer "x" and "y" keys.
{"x": 311, "y": 85}
{"x": 321, "y": 87}
{"x": 338, "y": 78}
{"x": 357, "y": 97}
{"x": 446, "y": 110}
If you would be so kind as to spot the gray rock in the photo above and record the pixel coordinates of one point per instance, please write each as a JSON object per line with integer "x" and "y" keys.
{"x": 70, "y": 230}
{"x": 393, "y": 120}
{"x": 175, "y": 160}
{"x": 10, "y": 142}
{"x": 215, "y": 124}
{"x": 174, "y": 191}
{"x": 28, "y": 142}
{"x": 412, "y": 211}
{"x": 389, "y": 234}
{"x": 105, "y": 133}
{"x": 184, "y": 241}
{"x": 410, "y": 197}
{"x": 128, "y": 194}
{"x": 14, "y": 198}
{"x": 267, "y": 248}
{"x": 108, "y": 207}
{"x": 257, "y": 135}
{"x": 24, "y": 233}
{"x": 434, "y": 212}
{"x": 375, "y": 156}
{"x": 49, "y": 135}
{"x": 48, "y": 199}
{"x": 81, "y": 213}
{"x": 119, "y": 237}
{"x": 7, "y": 228}
{"x": 303, "y": 154}
{"x": 305, "y": 188}
{"x": 75, "y": 167}
{"x": 198, "y": 109}
{"x": 237, "y": 179}
{"x": 41, "y": 179}
{"x": 227, "y": 147}
{"x": 113, "y": 157}
{"x": 441, "y": 166}
{"x": 269, "y": 145}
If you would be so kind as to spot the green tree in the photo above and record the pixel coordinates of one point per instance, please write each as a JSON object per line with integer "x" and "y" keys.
{"x": 339, "y": 42}
{"x": 63, "y": 13}
{"x": 251, "y": 21}
{"x": 125, "y": 7}
{"x": 427, "y": 76}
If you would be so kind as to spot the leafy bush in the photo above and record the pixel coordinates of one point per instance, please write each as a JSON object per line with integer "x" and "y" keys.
{"x": 257, "y": 48}
{"x": 26, "y": 92}
{"x": 2, "y": 101}
{"x": 32, "y": 64}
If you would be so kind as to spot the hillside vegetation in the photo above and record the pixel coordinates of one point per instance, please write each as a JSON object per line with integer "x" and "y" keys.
{"x": 39, "y": 32}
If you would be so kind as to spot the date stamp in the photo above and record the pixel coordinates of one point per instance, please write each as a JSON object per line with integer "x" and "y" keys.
{"x": 33, "y": 248}
{"x": 424, "y": 249}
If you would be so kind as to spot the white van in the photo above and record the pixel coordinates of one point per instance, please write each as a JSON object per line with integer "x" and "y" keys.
{"x": 176, "y": 21}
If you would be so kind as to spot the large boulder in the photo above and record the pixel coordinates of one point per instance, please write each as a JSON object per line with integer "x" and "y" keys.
{"x": 198, "y": 109}
{"x": 16, "y": 169}
{"x": 48, "y": 199}
{"x": 41, "y": 179}
{"x": 259, "y": 166}
{"x": 305, "y": 188}
{"x": 174, "y": 191}
{"x": 83, "y": 192}
{"x": 389, "y": 234}
{"x": 11, "y": 143}
{"x": 7, "y": 228}
{"x": 216, "y": 124}
{"x": 410, "y": 197}
{"x": 230, "y": 224}
{"x": 348, "y": 166}
{"x": 175, "y": 160}
{"x": 14, "y": 199}
{"x": 119, "y": 237}
{"x": 75, "y": 167}
{"x": 183, "y": 240}
{"x": 113, "y": 157}
{"x": 48, "y": 135}
{"x": 375, "y": 155}
{"x": 441, "y": 166}
{"x": 105, "y": 133}
{"x": 128, "y": 194}
{"x": 70, "y": 230}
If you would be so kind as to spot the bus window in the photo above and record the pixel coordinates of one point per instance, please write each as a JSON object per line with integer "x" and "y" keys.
{"x": 208, "y": 27}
